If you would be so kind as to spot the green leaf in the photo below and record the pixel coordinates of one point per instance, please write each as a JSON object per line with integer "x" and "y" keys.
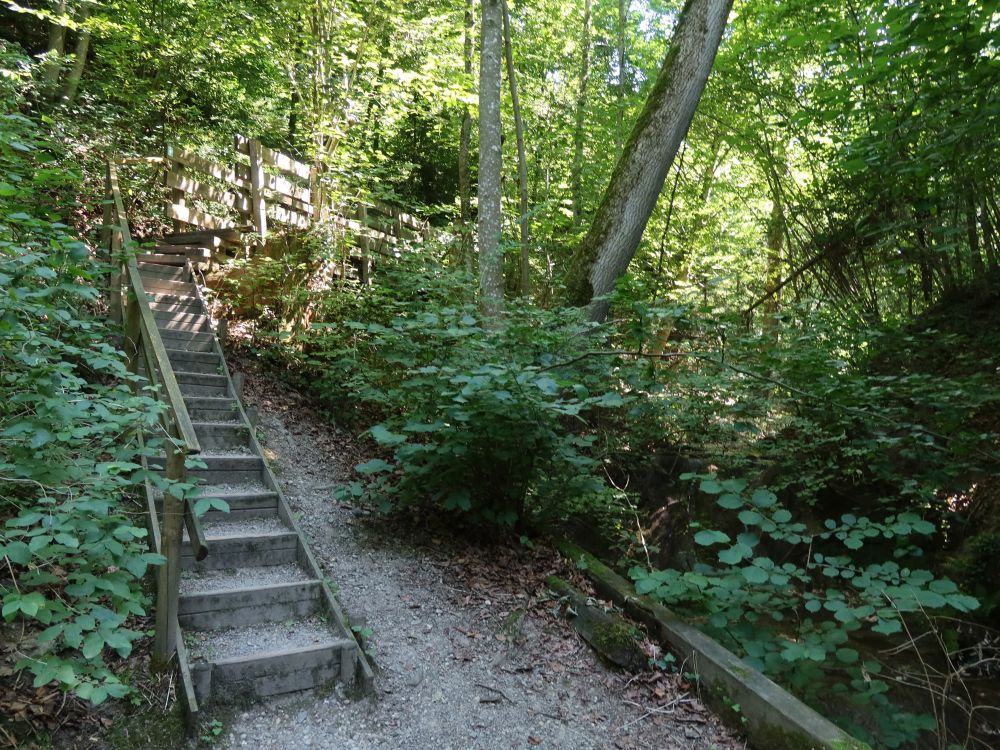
{"x": 730, "y": 501}
{"x": 847, "y": 655}
{"x": 384, "y": 437}
{"x": 93, "y": 644}
{"x": 375, "y": 466}
{"x": 763, "y": 498}
{"x": 708, "y": 537}
{"x": 754, "y": 574}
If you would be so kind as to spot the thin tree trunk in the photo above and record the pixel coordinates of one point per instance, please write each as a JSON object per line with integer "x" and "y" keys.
{"x": 638, "y": 178}
{"x": 623, "y": 6}
{"x": 490, "y": 159}
{"x": 524, "y": 283}
{"x": 79, "y": 57}
{"x": 989, "y": 239}
{"x": 55, "y": 50}
{"x": 976, "y": 258}
{"x": 465, "y": 142}
{"x": 576, "y": 178}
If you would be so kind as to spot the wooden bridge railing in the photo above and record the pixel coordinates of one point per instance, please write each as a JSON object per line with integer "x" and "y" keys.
{"x": 264, "y": 186}
{"x": 142, "y": 339}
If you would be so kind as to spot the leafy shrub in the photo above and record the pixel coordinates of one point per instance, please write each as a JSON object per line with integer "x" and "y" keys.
{"x": 789, "y": 598}
{"x": 68, "y": 423}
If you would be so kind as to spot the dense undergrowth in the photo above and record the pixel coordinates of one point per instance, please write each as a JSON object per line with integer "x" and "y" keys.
{"x": 828, "y": 491}
{"x": 72, "y": 539}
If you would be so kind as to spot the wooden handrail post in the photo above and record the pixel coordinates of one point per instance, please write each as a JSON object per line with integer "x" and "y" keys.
{"x": 176, "y": 195}
{"x": 168, "y": 577}
{"x": 366, "y": 256}
{"x": 258, "y": 210}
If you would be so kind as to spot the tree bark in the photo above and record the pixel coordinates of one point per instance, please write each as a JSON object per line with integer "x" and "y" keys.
{"x": 638, "y": 178}
{"x": 576, "y": 179}
{"x": 490, "y": 159}
{"x": 79, "y": 57}
{"x": 55, "y": 51}
{"x": 524, "y": 221}
{"x": 465, "y": 142}
{"x": 623, "y": 6}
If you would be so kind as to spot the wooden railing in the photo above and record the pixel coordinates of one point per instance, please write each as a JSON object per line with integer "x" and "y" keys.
{"x": 265, "y": 186}
{"x": 142, "y": 339}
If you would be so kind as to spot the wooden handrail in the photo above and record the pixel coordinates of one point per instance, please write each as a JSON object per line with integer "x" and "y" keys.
{"x": 150, "y": 334}
{"x": 141, "y": 333}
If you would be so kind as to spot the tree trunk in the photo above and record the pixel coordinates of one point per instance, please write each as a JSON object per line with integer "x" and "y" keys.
{"x": 524, "y": 282}
{"x": 775, "y": 242}
{"x": 976, "y": 258}
{"x": 465, "y": 142}
{"x": 638, "y": 178}
{"x": 79, "y": 57}
{"x": 490, "y": 158}
{"x": 623, "y": 6}
{"x": 576, "y": 178}
{"x": 54, "y": 51}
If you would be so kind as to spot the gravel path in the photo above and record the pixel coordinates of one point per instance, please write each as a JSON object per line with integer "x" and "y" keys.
{"x": 468, "y": 653}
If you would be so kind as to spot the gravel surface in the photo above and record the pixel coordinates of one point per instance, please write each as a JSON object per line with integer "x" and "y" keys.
{"x": 227, "y": 643}
{"x": 240, "y": 578}
{"x": 467, "y": 651}
{"x": 248, "y": 527}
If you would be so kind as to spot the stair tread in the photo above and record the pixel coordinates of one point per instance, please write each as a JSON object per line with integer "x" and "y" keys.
{"x": 251, "y": 527}
{"x": 264, "y": 640}
{"x": 194, "y": 581}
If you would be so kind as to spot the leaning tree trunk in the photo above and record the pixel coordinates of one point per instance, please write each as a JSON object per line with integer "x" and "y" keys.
{"x": 524, "y": 285}
{"x": 490, "y": 158}
{"x": 55, "y": 50}
{"x": 638, "y": 178}
{"x": 79, "y": 57}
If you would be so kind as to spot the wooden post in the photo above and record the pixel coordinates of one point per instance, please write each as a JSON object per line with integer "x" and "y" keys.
{"x": 258, "y": 210}
{"x": 314, "y": 197}
{"x": 365, "y": 243}
{"x": 169, "y": 574}
{"x": 111, "y": 242}
{"x": 176, "y": 197}
{"x": 131, "y": 344}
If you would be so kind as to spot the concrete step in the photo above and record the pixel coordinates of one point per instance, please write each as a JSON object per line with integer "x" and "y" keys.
{"x": 205, "y": 362}
{"x": 250, "y": 605}
{"x": 152, "y": 283}
{"x": 194, "y": 341}
{"x": 202, "y": 383}
{"x": 192, "y": 252}
{"x": 212, "y": 409}
{"x": 250, "y": 663}
{"x": 160, "y": 271}
{"x": 164, "y": 259}
{"x": 228, "y": 470}
{"x": 166, "y": 299}
{"x": 195, "y": 323}
{"x": 253, "y": 502}
{"x": 224, "y": 435}
{"x": 262, "y": 550}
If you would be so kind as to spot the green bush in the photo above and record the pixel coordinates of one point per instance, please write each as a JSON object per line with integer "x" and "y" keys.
{"x": 73, "y": 547}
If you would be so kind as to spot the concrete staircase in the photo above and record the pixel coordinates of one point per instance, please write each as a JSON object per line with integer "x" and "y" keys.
{"x": 257, "y": 618}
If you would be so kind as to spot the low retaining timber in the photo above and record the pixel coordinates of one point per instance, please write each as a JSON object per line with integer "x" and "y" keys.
{"x": 774, "y": 719}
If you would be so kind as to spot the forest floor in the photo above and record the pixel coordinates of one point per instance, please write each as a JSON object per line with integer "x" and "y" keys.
{"x": 468, "y": 649}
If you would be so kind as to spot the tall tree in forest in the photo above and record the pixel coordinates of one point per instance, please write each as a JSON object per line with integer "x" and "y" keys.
{"x": 576, "y": 177}
{"x": 490, "y": 158}
{"x": 524, "y": 221}
{"x": 638, "y": 178}
{"x": 465, "y": 143}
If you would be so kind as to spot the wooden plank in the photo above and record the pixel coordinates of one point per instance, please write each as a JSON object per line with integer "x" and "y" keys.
{"x": 286, "y": 187}
{"x": 235, "y": 201}
{"x": 396, "y": 213}
{"x": 258, "y": 211}
{"x": 201, "y": 164}
{"x": 198, "y": 218}
{"x": 274, "y": 158}
{"x": 288, "y": 202}
{"x": 287, "y": 216}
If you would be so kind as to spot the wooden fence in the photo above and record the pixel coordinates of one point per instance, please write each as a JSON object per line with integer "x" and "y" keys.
{"x": 265, "y": 187}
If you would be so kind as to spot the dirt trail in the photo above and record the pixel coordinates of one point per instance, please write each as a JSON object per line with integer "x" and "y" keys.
{"x": 469, "y": 654}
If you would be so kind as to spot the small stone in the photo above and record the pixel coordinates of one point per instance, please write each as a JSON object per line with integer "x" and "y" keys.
{"x": 301, "y": 717}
